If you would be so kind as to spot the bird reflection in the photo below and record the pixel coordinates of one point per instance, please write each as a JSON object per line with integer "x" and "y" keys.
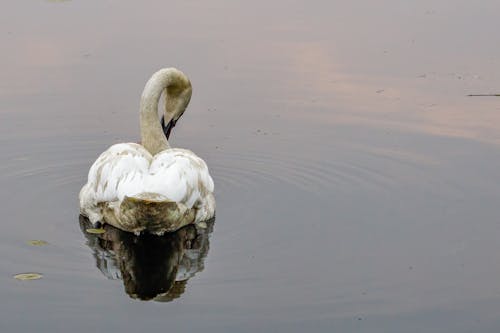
{"x": 151, "y": 267}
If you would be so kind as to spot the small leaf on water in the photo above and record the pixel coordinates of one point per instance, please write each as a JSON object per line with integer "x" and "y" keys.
{"x": 28, "y": 276}
{"x": 37, "y": 242}
{"x": 95, "y": 231}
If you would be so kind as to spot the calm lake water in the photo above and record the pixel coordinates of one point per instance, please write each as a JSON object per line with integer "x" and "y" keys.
{"x": 356, "y": 183}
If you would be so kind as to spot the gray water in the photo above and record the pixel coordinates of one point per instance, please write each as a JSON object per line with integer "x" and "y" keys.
{"x": 356, "y": 183}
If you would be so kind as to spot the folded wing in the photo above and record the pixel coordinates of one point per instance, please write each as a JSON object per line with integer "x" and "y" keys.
{"x": 128, "y": 169}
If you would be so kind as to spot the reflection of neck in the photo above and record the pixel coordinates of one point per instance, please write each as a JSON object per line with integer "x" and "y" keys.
{"x": 148, "y": 264}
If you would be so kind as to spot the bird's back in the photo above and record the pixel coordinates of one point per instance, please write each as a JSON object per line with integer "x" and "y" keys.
{"x": 128, "y": 172}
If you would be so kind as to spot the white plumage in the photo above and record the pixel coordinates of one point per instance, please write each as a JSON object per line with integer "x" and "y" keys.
{"x": 128, "y": 169}
{"x": 135, "y": 190}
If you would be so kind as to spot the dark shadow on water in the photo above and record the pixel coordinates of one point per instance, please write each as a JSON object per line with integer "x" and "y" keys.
{"x": 151, "y": 267}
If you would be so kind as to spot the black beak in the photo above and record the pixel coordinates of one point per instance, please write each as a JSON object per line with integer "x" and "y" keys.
{"x": 167, "y": 128}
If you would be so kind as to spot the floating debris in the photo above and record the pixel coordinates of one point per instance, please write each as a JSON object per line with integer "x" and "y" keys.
{"x": 37, "y": 242}
{"x": 28, "y": 276}
{"x": 95, "y": 231}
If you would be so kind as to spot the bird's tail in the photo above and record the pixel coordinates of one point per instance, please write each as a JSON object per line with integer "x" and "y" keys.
{"x": 153, "y": 212}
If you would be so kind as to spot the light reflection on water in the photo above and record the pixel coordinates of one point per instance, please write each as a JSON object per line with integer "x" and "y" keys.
{"x": 356, "y": 182}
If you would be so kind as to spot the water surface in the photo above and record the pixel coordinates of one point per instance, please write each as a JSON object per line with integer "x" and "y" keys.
{"x": 356, "y": 183}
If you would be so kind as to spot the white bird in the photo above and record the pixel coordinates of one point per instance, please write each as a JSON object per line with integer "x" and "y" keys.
{"x": 151, "y": 187}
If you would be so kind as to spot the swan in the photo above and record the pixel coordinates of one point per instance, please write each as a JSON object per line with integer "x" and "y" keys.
{"x": 151, "y": 187}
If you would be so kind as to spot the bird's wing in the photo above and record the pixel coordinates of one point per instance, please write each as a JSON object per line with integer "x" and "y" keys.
{"x": 180, "y": 175}
{"x": 116, "y": 172}
{"x": 128, "y": 169}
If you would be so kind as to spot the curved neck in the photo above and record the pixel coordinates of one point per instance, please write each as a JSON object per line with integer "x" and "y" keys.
{"x": 177, "y": 88}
